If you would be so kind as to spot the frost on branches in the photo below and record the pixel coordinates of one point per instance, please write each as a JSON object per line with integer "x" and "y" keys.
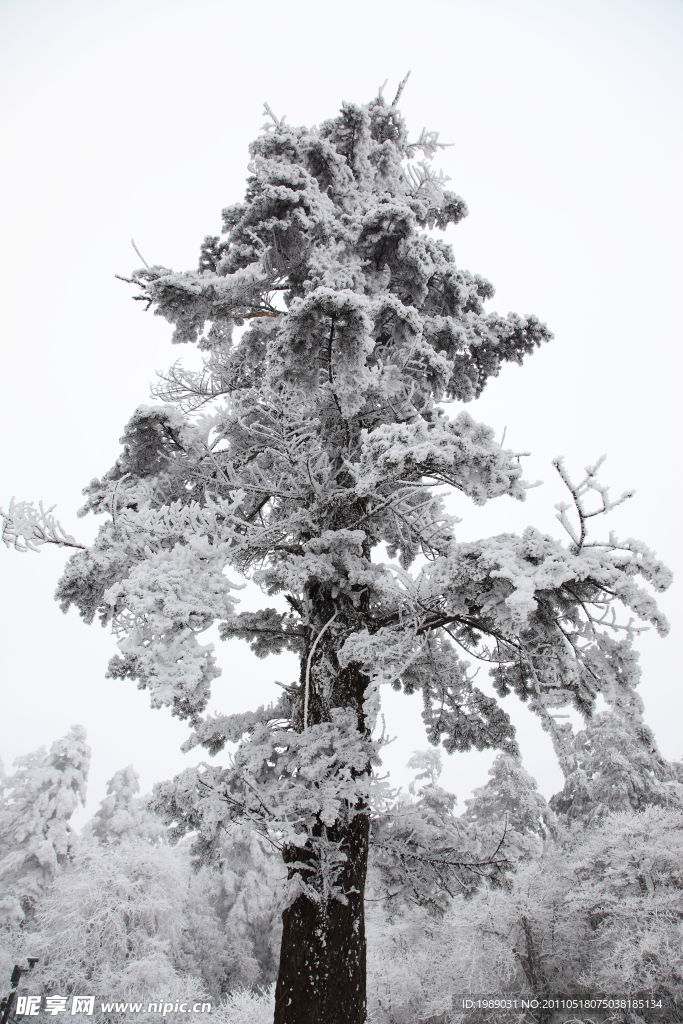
{"x": 36, "y": 837}
{"x": 311, "y": 453}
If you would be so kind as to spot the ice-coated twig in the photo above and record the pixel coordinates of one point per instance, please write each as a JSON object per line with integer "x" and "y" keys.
{"x": 277, "y": 121}
{"x": 26, "y": 527}
{"x": 428, "y": 143}
{"x": 401, "y": 87}
{"x": 579, "y": 491}
{"x": 138, "y": 253}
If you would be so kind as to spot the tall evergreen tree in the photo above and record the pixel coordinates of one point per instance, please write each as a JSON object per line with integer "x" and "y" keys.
{"x": 334, "y": 327}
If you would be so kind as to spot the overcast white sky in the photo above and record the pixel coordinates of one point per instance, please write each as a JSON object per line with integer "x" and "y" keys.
{"x": 133, "y": 119}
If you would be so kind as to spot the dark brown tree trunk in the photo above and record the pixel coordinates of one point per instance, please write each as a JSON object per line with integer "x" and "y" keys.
{"x": 322, "y": 973}
{"x": 321, "y": 979}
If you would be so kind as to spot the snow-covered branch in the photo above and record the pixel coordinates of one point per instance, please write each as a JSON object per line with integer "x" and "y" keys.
{"x": 28, "y": 527}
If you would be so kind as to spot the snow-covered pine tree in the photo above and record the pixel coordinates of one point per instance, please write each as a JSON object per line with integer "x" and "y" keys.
{"x": 123, "y": 815}
{"x": 36, "y": 837}
{"x": 510, "y": 806}
{"x": 249, "y": 885}
{"x": 335, "y": 327}
{"x": 421, "y": 853}
{"x": 616, "y": 766}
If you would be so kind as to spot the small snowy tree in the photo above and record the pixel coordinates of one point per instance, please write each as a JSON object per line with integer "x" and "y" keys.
{"x": 615, "y": 766}
{"x": 250, "y": 902}
{"x": 123, "y": 815}
{"x": 138, "y": 918}
{"x": 629, "y": 880}
{"x": 421, "y": 853}
{"x": 36, "y": 838}
{"x": 242, "y": 884}
{"x": 114, "y": 923}
{"x": 407, "y": 977}
{"x": 334, "y": 328}
{"x": 509, "y": 804}
{"x": 219, "y": 951}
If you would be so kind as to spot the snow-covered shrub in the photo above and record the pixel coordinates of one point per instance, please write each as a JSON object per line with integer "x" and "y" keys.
{"x": 113, "y": 923}
{"x": 244, "y": 1006}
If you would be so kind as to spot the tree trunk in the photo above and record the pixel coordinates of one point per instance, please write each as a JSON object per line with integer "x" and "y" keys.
{"x": 322, "y": 972}
{"x": 532, "y": 965}
{"x": 321, "y": 979}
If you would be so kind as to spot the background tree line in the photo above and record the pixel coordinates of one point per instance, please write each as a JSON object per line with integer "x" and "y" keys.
{"x": 512, "y": 895}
